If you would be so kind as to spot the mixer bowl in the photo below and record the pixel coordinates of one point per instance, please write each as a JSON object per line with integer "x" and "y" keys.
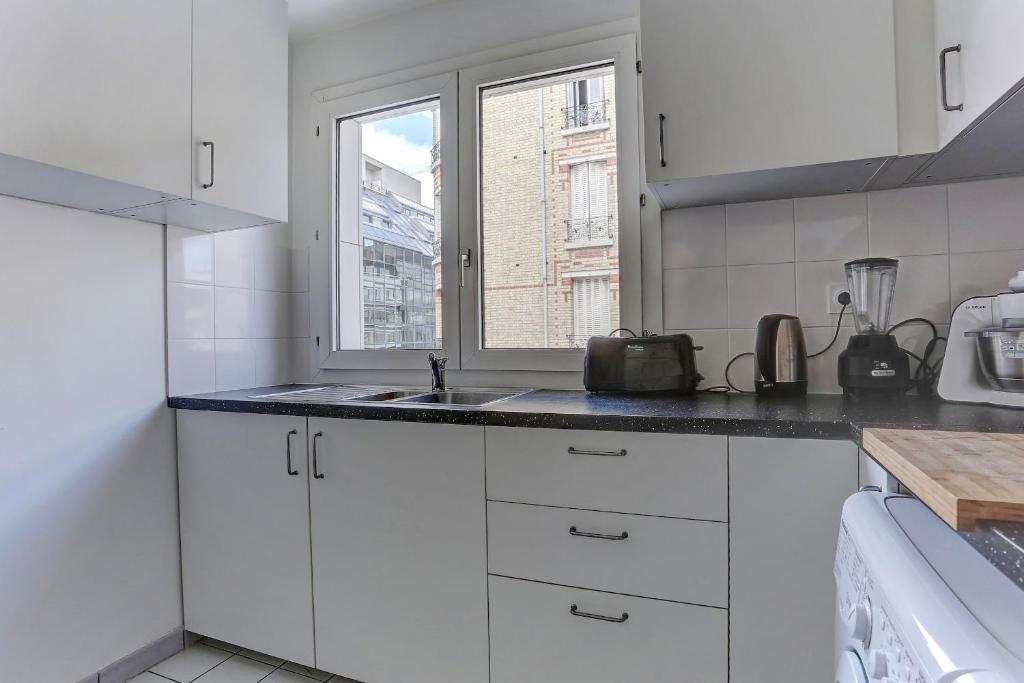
{"x": 1001, "y": 357}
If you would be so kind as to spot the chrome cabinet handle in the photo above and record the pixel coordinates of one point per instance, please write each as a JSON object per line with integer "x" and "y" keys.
{"x": 579, "y": 451}
{"x": 575, "y": 611}
{"x": 942, "y": 79}
{"x": 213, "y": 163}
{"x": 317, "y": 474}
{"x": 573, "y": 531}
{"x": 288, "y": 452}
{"x": 661, "y": 139}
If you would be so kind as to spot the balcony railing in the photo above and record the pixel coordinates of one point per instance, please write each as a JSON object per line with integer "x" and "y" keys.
{"x": 583, "y": 115}
{"x": 375, "y": 187}
{"x": 588, "y": 229}
{"x": 435, "y": 154}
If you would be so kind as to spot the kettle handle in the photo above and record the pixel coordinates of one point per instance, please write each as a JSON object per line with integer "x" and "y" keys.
{"x": 767, "y": 330}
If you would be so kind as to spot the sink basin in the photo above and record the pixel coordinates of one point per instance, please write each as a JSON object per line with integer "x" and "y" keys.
{"x": 387, "y": 395}
{"x": 459, "y": 398}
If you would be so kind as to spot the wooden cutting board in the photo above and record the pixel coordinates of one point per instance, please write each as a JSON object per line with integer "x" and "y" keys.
{"x": 962, "y": 476}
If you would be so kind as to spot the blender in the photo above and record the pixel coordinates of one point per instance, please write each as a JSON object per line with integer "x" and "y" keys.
{"x": 873, "y": 363}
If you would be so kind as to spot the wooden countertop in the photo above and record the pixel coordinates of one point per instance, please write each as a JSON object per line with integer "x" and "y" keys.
{"x": 962, "y": 476}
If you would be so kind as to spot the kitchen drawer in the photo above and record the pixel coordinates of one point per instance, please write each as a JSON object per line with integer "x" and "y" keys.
{"x": 535, "y": 637}
{"x": 673, "y": 475}
{"x": 670, "y": 559}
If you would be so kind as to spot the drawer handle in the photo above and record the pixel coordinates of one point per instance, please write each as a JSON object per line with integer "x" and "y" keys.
{"x": 942, "y": 79}
{"x": 573, "y": 531}
{"x": 575, "y": 611}
{"x": 579, "y": 451}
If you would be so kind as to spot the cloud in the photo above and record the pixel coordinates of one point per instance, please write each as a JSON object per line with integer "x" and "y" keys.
{"x": 396, "y": 150}
{"x": 426, "y": 179}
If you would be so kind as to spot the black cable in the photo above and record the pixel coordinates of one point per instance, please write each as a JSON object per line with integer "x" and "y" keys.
{"x": 729, "y": 365}
{"x": 834, "y": 336}
{"x": 926, "y": 374}
{"x": 622, "y": 329}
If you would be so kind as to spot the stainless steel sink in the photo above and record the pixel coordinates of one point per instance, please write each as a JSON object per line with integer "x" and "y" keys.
{"x": 387, "y": 395}
{"x": 460, "y": 398}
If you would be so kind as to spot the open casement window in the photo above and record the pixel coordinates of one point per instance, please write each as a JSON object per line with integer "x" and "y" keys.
{"x": 551, "y": 244}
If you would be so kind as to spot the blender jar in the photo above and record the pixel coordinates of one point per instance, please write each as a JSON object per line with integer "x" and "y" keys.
{"x": 872, "y": 283}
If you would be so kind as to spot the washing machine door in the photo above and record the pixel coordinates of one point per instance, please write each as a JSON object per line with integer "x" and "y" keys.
{"x": 850, "y": 669}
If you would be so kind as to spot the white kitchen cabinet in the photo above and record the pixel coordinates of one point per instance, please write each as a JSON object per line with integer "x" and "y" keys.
{"x": 749, "y": 87}
{"x": 101, "y": 88}
{"x": 240, "y": 105}
{"x": 989, "y": 63}
{"x": 785, "y": 504}
{"x": 399, "y": 550}
{"x": 245, "y": 531}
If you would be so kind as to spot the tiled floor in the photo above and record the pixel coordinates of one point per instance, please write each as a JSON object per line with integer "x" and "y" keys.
{"x": 213, "y": 661}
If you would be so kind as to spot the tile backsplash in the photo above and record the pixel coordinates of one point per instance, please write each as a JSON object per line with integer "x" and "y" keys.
{"x": 234, "y": 302}
{"x": 726, "y": 266}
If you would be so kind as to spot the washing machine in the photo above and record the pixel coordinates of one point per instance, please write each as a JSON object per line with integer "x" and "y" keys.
{"x": 916, "y": 604}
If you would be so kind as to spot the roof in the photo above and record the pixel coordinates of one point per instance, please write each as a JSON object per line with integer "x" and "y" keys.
{"x": 406, "y": 230}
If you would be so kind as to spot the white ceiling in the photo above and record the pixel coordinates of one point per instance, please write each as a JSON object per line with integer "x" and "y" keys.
{"x": 310, "y": 17}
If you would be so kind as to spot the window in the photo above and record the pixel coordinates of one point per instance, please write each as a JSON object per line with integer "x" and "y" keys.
{"x": 585, "y": 103}
{"x": 591, "y": 310}
{"x": 589, "y": 219}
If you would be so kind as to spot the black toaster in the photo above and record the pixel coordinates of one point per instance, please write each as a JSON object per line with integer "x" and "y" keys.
{"x": 642, "y": 364}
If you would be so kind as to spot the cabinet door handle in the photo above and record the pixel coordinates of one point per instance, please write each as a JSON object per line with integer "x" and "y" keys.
{"x": 611, "y": 454}
{"x": 661, "y": 140}
{"x": 942, "y": 79}
{"x": 575, "y": 611}
{"x": 288, "y": 452}
{"x": 317, "y": 474}
{"x": 213, "y": 163}
{"x": 573, "y": 531}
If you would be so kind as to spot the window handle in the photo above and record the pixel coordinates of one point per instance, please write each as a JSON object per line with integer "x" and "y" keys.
{"x": 288, "y": 452}
{"x": 942, "y": 79}
{"x": 213, "y": 163}
{"x": 466, "y": 263}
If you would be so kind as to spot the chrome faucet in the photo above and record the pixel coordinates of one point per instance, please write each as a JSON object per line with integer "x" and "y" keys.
{"x": 437, "y": 364}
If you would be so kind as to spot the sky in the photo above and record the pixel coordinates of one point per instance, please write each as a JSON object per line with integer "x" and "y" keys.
{"x": 404, "y": 142}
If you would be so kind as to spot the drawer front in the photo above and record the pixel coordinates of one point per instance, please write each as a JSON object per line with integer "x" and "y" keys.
{"x": 535, "y": 637}
{"x": 670, "y": 559}
{"x": 673, "y": 475}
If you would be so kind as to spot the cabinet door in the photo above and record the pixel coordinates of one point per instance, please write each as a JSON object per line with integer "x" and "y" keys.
{"x": 990, "y": 61}
{"x": 399, "y": 551}
{"x": 785, "y": 500}
{"x": 240, "y": 80}
{"x": 747, "y": 85}
{"x": 245, "y": 531}
{"x": 100, "y": 87}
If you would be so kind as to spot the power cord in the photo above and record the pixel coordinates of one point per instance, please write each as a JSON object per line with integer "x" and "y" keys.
{"x": 926, "y": 374}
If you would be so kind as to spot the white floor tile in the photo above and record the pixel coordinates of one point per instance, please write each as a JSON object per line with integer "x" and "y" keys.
{"x": 190, "y": 663}
{"x": 282, "y": 676}
{"x": 315, "y": 674}
{"x": 238, "y": 669}
{"x": 147, "y": 677}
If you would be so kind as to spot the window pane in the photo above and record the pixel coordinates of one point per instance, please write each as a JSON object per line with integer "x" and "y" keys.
{"x": 548, "y": 234}
{"x": 389, "y": 176}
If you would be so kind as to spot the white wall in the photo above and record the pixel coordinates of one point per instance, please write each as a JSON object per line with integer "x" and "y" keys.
{"x": 234, "y": 299}
{"x": 89, "y": 560}
{"x": 725, "y": 266}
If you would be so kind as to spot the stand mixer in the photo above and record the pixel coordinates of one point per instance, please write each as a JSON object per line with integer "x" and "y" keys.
{"x": 984, "y": 360}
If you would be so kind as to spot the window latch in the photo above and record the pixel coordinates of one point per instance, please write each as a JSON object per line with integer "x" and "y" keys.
{"x": 466, "y": 263}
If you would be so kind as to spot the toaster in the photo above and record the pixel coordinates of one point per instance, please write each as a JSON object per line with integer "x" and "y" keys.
{"x": 641, "y": 364}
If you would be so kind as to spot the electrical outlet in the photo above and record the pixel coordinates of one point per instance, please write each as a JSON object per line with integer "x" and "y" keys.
{"x": 832, "y": 296}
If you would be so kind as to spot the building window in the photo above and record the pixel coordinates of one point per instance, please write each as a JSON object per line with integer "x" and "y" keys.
{"x": 591, "y": 309}
{"x": 589, "y": 220}
{"x": 585, "y": 103}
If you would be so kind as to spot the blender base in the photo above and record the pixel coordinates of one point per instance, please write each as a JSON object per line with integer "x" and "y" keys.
{"x": 874, "y": 365}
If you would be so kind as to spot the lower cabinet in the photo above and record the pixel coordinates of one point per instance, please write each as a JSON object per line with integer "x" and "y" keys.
{"x": 541, "y": 632}
{"x": 245, "y": 531}
{"x": 785, "y": 505}
{"x": 399, "y": 550}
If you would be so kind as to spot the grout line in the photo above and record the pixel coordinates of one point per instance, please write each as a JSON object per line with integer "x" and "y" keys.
{"x": 160, "y": 676}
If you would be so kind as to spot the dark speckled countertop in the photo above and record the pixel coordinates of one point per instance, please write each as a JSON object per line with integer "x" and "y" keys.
{"x": 818, "y": 416}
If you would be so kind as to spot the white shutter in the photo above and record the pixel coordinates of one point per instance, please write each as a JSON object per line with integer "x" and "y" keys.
{"x": 591, "y": 311}
{"x": 596, "y": 89}
{"x": 579, "y": 182}
{"x": 598, "y": 177}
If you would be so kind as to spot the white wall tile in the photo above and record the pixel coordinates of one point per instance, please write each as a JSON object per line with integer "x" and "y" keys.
{"x": 299, "y": 313}
{"x": 908, "y": 221}
{"x": 812, "y": 288}
{"x": 272, "y": 361}
{"x": 695, "y": 298}
{"x": 693, "y": 237}
{"x": 189, "y": 255}
{"x": 301, "y": 350}
{"x": 987, "y": 215}
{"x": 922, "y": 289}
{"x": 190, "y": 366}
{"x": 299, "y": 270}
{"x": 755, "y": 291}
{"x": 742, "y": 372}
{"x": 760, "y": 232}
{"x": 823, "y": 371}
{"x": 272, "y": 258}
{"x": 833, "y": 227}
{"x": 270, "y": 319}
{"x": 234, "y": 313}
{"x": 236, "y": 367}
{"x": 233, "y": 258}
{"x": 190, "y": 311}
{"x": 712, "y": 358}
{"x": 982, "y": 273}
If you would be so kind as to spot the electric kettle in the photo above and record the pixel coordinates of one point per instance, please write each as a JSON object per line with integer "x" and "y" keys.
{"x": 780, "y": 356}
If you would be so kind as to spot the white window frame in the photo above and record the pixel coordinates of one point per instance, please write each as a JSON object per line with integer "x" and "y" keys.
{"x": 622, "y": 50}
{"x": 324, "y": 282}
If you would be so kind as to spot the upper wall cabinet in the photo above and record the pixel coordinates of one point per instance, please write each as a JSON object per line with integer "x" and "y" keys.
{"x": 734, "y": 90}
{"x": 107, "y": 105}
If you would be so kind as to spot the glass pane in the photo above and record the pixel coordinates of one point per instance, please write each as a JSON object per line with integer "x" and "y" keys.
{"x": 548, "y": 231}
{"x": 389, "y": 179}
